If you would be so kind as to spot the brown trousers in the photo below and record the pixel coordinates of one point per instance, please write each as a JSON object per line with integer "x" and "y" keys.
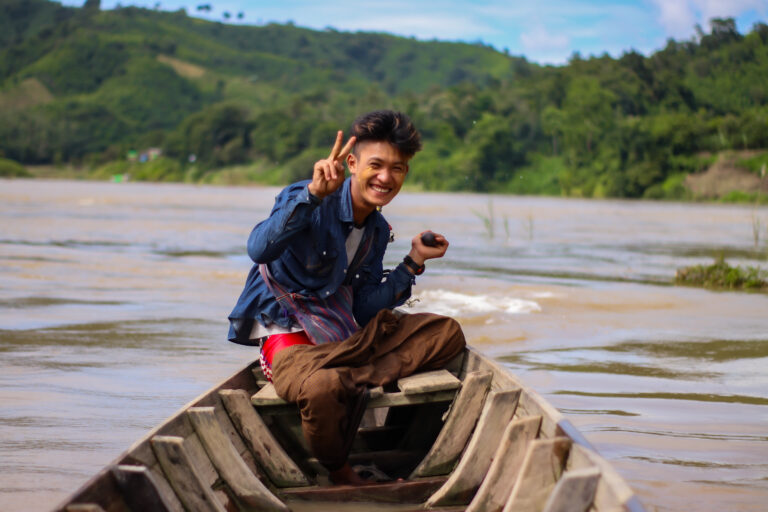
{"x": 324, "y": 380}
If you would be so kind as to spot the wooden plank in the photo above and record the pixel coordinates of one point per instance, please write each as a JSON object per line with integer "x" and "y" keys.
{"x": 183, "y": 475}
{"x": 574, "y": 491}
{"x": 140, "y": 491}
{"x": 427, "y": 382}
{"x": 531, "y": 404}
{"x": 461, "y": 420}
{"x": 612, "y": 492}
{"x": 497, "y": 412}
{"x": 198, "y": 457}
{"x": 164, "y": 487}
{"x": 84, "y": 507}
{"x": 496, "y": 487}
{"x": 246, "y": 487}
{"x": 267, "y": 396}
{"x": 261, "y": 380}
{"x": 397, "y": 399}
{"x": 385, "y": 492}
{"x": 278, "y": 466}
{"x": 541, "y": 469}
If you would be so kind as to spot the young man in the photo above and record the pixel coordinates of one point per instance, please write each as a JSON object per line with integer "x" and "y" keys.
{"x": 317, "y": 299}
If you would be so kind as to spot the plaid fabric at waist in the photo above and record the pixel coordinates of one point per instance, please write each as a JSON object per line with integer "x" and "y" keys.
{"x": 275, "y": 344}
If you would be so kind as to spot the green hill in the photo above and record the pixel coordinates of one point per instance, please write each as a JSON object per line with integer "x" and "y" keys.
{"x": 83, "y": 86}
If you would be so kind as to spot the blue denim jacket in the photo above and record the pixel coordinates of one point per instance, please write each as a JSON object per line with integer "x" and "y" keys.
{"x": 302, "y": 243}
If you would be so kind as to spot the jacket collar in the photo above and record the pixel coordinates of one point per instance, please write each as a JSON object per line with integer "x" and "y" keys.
{"x": 346, "y": 213}
{"x": 345, "y": 208}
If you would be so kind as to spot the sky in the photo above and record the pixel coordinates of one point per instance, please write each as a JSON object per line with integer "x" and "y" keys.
{"x": 547, "y": 32}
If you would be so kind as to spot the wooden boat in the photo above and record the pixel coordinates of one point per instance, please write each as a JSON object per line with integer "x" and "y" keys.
{"x": 471, "y": 437}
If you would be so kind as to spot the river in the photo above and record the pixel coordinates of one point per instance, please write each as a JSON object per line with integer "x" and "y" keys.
{"x": 114, "y": 298}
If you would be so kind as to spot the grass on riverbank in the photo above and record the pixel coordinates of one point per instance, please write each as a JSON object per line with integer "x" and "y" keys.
{"x": 721, "y": 275}
{"x": 12, "y": 169}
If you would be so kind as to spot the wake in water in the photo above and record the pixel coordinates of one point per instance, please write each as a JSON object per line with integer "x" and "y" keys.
{"x": 455, "y": 304}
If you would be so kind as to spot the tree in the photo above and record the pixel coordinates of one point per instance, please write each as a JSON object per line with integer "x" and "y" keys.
{"x": 552, "y": 122}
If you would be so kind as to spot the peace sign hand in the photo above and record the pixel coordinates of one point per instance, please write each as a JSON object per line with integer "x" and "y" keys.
{"x": 328, "y": 174}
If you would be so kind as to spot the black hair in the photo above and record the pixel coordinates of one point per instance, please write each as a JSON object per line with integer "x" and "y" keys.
{"x": 390, "y": 126}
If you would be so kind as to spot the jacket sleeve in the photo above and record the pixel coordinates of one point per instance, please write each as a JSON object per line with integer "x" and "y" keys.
{"x": 292, "y": 213}
{"x": 376, "y": 294}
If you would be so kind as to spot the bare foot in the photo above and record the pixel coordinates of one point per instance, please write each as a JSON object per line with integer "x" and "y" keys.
{"x": 345, "y": 475}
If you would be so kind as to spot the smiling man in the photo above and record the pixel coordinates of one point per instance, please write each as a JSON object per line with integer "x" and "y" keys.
{"x": 317, "y": 300}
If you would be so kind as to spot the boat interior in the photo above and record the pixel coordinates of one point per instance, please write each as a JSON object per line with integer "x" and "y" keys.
{"x": 468, "y": 437}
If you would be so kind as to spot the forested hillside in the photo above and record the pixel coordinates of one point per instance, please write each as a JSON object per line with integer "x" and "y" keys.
{"x": 83, "y": 86}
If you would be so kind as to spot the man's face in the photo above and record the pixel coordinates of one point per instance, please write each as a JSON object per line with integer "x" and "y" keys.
{"x": 378, "y": 171}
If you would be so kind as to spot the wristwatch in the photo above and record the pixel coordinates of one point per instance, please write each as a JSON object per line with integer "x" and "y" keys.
{"x": 417, "y": 269}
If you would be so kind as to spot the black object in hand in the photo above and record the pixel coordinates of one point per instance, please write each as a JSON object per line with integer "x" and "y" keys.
{"x": 428, "y": 239}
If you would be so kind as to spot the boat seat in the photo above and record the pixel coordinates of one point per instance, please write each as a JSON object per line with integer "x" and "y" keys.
{"x": 427, "y": 387}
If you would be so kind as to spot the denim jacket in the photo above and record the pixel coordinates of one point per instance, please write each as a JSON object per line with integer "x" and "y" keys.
{"x": 302, "y": 243}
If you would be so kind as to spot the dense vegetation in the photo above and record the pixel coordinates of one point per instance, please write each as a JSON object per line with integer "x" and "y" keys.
{"x": 721, "y": 275}
{"x": 83, "y": 86}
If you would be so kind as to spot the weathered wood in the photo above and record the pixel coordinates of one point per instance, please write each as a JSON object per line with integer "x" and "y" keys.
{"x": 530, "y": 403}
{"x": 612, "y": 492}
{"x": 261, "y": 380}
{"x": 198, "y": 457}
{"x": 574, "y": 491}
{"x": 84, "y": 507}
{"x": 278, "y": 466}
{"x": 385, "y": 492}
{"x": 183, "y": 475}
{"x": 376, "y": 392}
{"x": 497, "y": 484}
{"x": 461, "y": 420}
{"x": 427, "y": 382}
{"x": 141, "y": 491}
{"x": 397, "y": 399}
{"x": 497, "y": 412}
{"x": 267, "y": 396}
{"x": 247, "y": 489}
{"x": 164, "y": 487}
{"x": 541, "y": 469}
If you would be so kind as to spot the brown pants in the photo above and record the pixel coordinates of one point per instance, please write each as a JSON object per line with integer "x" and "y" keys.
{"x": 324, "y": 380}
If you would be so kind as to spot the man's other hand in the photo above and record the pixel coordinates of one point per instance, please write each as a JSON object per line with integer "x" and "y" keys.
{"x": 421, "y": 252}
{"x": 328, "y": 174}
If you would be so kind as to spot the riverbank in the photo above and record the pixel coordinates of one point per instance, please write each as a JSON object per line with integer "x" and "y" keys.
{"x": 730, "y": 177}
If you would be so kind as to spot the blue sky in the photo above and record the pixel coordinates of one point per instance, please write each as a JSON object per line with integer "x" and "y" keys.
{"x": 542, "y": 31}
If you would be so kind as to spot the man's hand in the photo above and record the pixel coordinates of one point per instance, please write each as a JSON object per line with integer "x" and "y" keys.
{"x": 421, "y": 252}
{"x": 328, "y": 174}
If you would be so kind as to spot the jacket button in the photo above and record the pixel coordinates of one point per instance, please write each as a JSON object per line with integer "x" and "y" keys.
{"x": 327, "y": 293}
{"x": 323, "y": 253}
{"x": 357, "y": 276}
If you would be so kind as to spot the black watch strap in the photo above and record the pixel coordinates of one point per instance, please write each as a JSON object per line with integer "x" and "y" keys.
{"x": 417, "y": 269}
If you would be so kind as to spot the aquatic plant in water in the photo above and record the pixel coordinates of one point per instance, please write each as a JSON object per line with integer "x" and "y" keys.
{"x": 722, "y": 275}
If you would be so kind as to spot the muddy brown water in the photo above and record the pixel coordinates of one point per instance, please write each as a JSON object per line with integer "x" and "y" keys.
{"x": 114, "y": 297}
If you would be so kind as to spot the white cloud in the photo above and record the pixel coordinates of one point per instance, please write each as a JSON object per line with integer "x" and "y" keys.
{"x": 678, "y": 17}
{"x": 538, "y": 39}
{"x": 444, "y": 26}
{"x": 724, "y": 8}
